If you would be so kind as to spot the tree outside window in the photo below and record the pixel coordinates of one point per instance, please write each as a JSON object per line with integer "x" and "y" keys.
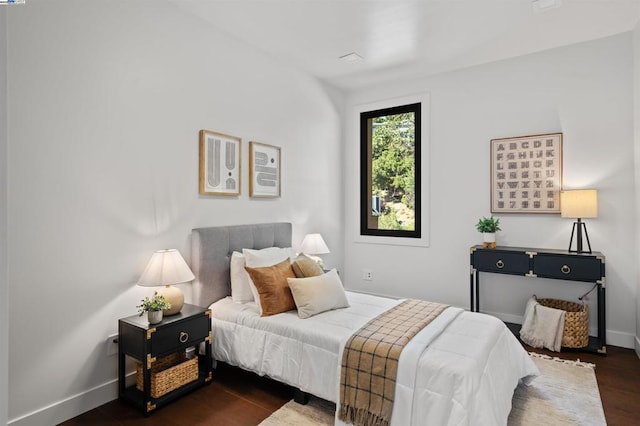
{"x": 390, "y": 171}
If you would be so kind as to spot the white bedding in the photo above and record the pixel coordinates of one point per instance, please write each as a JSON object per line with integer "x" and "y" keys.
{"x": 461, "y": 369}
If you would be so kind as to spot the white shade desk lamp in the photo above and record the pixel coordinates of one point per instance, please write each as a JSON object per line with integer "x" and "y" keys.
{"x": 579, "y": 204}
{"x": 312, "y": 245}
{"x": 167, "y": 267}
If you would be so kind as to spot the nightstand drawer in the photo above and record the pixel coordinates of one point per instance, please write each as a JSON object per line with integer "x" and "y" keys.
{"x": 180, "y": 334}
{"x": 575, "y": 268}
{"x": 504, "y": 262}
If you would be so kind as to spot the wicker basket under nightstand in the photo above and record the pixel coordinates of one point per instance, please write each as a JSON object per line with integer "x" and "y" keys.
{"x": 169, "y": 373}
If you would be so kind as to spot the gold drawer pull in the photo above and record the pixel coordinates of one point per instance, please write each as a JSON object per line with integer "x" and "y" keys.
{"x": 500, "y": 264}
{"x": 565, "y": 269}
{"x": 184, "y": 337}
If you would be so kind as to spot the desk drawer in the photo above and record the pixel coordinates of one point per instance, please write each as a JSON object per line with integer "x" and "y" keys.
{"x": 504, "y": 262}
{"x": 179, "y": 335}
{"x": 575, "y": 268}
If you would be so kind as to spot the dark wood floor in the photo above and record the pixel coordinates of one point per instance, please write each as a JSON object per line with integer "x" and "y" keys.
{"x": 234, "y": 397}
{"x": 238, "y": 398}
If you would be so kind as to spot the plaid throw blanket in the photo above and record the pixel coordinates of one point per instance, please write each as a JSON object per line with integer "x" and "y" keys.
{"x": 370, "y": 361}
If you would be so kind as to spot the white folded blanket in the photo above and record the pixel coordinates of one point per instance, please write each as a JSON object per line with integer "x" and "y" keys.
{"x": 542, "y": 326}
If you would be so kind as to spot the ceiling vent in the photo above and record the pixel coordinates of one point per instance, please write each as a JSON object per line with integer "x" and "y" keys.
{"x": 541, "y": 6}
{"x": 351, "y": 57}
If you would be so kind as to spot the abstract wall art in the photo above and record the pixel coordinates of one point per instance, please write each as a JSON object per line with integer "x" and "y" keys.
{"x": 264, "y": 170}
{"x": 220, "y": 169}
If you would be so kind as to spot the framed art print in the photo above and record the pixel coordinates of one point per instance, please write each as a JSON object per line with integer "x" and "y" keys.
{"x": 264, "y": 170}
{"x": 526, "y": 174}
{"x": 220, "y": 170}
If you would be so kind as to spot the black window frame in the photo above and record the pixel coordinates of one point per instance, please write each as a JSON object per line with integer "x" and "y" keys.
{"x": 365, "y": 172}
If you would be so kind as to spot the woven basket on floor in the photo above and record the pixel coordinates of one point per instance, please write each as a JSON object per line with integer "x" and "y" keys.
{"x": 169, "y": 373}
{"x": 576, "y": 322}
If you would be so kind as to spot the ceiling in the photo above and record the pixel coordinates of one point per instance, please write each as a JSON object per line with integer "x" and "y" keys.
{"x": 402, "y": 38}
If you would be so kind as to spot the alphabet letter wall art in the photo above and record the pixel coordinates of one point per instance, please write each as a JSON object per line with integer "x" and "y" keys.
{"x": 526, "y": 174}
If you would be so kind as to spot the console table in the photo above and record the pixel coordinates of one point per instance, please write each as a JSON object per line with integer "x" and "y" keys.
{"x": 543, "y": 263}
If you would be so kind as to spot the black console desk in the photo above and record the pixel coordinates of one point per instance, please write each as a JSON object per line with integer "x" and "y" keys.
{"x": 543, "y": 263}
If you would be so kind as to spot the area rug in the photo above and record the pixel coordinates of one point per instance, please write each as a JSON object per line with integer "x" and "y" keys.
{"x": 566, "y": 393}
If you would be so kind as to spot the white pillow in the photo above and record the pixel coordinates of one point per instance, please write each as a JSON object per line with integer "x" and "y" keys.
{"x": 314, "y": 295}
{"x": 266, "y": 257}
{"x": 240, "y": 281}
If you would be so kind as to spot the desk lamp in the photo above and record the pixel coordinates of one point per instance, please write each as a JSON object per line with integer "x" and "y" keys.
{"x": 312, "y": 245}
{"x": 579, "y": 204}
{"x": 165, "y": 268}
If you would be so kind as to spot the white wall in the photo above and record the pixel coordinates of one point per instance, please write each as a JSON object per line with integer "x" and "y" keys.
{"x": 636, "y": 122}
{"x": 4, "y": 288}
{"x": 106, "y": 102}
{"x": 584, "y": 91}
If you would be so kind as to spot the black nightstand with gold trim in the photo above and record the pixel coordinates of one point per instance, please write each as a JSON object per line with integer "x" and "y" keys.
{"x": 146, "y": 343}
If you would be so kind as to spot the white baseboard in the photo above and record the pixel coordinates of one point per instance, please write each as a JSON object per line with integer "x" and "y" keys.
{"x": 637, "y": 341}
{"x": 516, "y": 319}
{"x": 353, "y": 290}
{"x": 72, "y": 406}
{"x": 614, "y": 338}
{"x": 618, "y": 338}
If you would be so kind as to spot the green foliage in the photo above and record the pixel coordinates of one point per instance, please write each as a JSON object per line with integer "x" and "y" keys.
{"x": 393, "y": 159}
{"x": 389, "y": 220}
{"x": 488, "y": 224}
{"x": 393, "y": 165}
{"x": 397, "y": 217}
{"x": 156, "y": 303}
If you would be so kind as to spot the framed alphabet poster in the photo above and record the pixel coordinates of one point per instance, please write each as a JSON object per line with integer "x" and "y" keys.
{"x": 219, "y": 163}
{"x": 526, "y": 174}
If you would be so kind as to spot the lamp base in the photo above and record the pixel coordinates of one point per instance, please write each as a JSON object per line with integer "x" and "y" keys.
{"x": 174, "y": 296}
{"x": 579, "y": 226}
{"x": 316, "y": 259}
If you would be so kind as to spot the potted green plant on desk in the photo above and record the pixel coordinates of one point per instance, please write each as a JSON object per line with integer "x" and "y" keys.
{"x": 488, "y": 227}
{"x": 153, "y": 307}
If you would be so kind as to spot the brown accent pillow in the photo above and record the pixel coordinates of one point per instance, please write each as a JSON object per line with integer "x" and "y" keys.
{"x": 305, "y": 267}
{"x": 272, "y": 286}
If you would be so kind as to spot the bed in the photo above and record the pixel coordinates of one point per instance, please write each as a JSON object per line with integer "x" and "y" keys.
{"x": 460, "y": 369}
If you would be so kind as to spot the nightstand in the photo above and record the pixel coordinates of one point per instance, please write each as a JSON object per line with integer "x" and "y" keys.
{"x": 162, "y": 350}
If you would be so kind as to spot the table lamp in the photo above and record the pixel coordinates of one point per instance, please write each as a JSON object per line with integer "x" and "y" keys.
{"x": 165, "y": 268}
{"x": 579, "y": 204}
{"x": 312, "y": 245}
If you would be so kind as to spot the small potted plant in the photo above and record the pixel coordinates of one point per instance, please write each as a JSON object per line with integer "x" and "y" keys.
{"x": 153, "y": 307}
{"x": 488, "y": 227}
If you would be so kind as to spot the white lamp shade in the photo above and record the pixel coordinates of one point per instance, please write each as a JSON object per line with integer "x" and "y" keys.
{"x": 166, "y": 267}
{"x": 579, "y": 203}
{"x": 314, "y": 244}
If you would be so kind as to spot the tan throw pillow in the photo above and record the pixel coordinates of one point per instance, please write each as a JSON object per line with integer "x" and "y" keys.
{"x": 304, "y": 267}
{"x": 273, "y": 289}
{"x": 265, "y": 257}
{"x": 314, "y": 295}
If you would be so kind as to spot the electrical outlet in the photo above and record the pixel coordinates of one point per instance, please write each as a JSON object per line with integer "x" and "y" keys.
{"x": 367, "y": 275}
{"x": 112, "y": 344}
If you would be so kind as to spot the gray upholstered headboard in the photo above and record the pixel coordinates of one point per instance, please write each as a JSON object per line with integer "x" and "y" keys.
{"x": 211, "y": 250}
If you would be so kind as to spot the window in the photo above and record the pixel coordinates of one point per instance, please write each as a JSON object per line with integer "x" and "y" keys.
{"x": 390, "y": 180}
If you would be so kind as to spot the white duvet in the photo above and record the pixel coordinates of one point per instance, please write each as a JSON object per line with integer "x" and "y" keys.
{"x": 461, "y": 369}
